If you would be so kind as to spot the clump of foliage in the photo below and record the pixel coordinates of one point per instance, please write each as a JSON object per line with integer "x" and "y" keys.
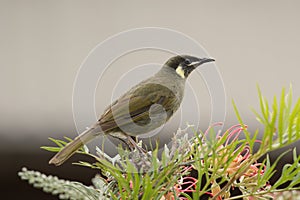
{"x": 222, "y": 162}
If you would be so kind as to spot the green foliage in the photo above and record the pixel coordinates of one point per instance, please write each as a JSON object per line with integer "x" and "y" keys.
{"x": 65, "y": 189}
{"x": 135, "y": 175}
{"x": 221, "y": 163}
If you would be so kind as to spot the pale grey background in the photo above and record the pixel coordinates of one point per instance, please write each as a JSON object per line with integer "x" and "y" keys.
{"x": 43, "y": 44}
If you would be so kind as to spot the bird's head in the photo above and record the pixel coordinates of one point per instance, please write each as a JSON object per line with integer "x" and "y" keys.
{"x": 184, "y": 64}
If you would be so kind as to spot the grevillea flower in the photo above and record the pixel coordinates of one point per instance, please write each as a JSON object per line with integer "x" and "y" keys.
{"x": 188, "y": 184}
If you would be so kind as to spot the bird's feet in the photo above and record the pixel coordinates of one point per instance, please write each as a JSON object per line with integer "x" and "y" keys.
{"x": 133, "y": 145}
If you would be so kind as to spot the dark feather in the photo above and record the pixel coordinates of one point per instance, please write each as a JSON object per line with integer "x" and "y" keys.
{"x": 135, "y": 107}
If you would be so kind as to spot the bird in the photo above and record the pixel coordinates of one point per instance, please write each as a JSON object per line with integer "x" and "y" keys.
{"x": 143, "y": 108}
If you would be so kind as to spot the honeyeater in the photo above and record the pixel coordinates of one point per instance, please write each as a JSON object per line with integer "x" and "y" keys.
{"x": 143, "y": 108}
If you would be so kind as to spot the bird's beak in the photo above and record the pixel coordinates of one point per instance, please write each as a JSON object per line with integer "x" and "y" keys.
{"x": 200, "y": 61}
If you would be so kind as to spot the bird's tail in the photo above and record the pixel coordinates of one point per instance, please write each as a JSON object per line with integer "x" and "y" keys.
{"x": 85, "y": 137}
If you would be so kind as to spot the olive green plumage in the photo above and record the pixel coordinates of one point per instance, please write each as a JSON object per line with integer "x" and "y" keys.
{"x": 143, "y": 108}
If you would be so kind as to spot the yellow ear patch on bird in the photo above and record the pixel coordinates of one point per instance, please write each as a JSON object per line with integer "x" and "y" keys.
{"x": 180, "y": 71}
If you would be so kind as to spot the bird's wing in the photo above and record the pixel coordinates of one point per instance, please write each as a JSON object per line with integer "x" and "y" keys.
{"x": 134, "y": 106}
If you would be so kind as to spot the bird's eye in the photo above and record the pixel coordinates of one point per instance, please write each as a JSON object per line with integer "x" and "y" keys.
{"x": 186, "y": 62}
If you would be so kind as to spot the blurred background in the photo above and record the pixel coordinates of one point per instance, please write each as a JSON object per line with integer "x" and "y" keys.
{"x": 43, "y": 44}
